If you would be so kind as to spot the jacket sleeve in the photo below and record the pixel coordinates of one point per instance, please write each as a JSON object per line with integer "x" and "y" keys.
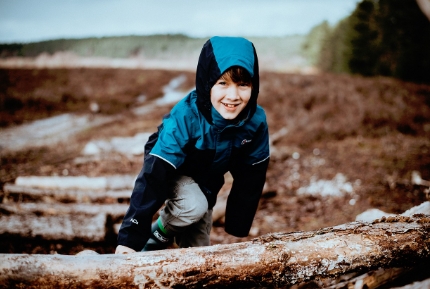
{"x": 242, "y": 203}
{"x": 149, "y": 193}
{"x": 248, "y": 183}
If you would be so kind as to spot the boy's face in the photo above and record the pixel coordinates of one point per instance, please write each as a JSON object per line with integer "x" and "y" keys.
{"x": 230, "y": 98}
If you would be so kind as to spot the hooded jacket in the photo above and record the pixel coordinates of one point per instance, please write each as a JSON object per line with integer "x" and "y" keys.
{"x": 196, "y": 141}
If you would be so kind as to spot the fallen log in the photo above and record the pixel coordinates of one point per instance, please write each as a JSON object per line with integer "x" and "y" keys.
{"x": 115, "y": 182}
{"x": 91, "y": 228}
{"x": 114, "y": 210}
{"x": 371, "y": 280}
{"x": 372, "y": 214}
{"x": 273, "y": 260}
{"x": 67, "y": 195}
{"x": 60, "y": 221}
{"x": 218, "y": 211}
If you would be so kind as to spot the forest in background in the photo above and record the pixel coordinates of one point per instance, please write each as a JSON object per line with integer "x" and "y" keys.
{"x": 384, "y": 37}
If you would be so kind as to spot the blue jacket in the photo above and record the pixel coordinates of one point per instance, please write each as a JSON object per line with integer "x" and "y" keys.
{"x": 196, "y": 141}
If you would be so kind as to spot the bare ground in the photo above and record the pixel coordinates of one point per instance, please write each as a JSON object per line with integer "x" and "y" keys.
{"x": 341, "y": 144}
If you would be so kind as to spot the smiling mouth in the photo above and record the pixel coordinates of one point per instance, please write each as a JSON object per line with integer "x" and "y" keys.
{"x": 230, "y": 105}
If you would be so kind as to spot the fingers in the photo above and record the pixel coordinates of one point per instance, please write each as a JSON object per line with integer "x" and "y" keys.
{"x": 124, "y": 250}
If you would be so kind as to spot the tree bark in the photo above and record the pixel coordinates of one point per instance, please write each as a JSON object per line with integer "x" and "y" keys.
{"x": 115, "y": 182}
{"x": 56, "y": 209}
{"x": 90, "y": 228}
{"x": 273, "y": 260}
{"x": 66, "y": 195}
{"x": 87, "y": 222}
{"x": 370, "y": 280}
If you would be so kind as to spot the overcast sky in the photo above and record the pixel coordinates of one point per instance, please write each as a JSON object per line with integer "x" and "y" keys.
{"x": 35, "y": 20}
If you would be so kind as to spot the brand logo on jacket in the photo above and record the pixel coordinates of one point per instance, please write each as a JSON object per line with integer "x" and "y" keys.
{"x": 134, "y": 221}
{"x": 245, "y": 141}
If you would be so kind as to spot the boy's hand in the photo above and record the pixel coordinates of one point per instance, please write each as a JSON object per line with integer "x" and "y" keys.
{"x": 120, "y": 249}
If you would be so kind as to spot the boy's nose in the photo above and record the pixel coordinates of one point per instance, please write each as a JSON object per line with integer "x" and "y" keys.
{"x": 232, "y": 92}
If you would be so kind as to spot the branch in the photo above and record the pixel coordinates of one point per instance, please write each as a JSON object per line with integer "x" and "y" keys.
{"x": 271, "y": 260}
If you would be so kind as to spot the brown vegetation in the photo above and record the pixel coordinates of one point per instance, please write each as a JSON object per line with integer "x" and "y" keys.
{"x": 29, "y": 94}
{"x": 372, "y": 131}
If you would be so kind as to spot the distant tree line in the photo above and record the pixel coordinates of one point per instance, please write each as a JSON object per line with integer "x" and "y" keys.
{"x": 381, "y": 37}
{"x": 119, "y": 47}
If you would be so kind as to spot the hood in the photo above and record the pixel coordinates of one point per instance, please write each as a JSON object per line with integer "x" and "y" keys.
{"x": 218, "y": 55}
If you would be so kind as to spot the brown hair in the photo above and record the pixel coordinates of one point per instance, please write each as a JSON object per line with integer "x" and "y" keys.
{"x": 238, "y": 75}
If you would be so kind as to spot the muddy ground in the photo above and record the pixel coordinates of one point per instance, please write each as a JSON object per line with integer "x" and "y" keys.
{"x": 340, "y": 144}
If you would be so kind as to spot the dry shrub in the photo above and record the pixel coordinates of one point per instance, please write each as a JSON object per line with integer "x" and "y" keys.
{"x": 332, "y": 107}
{"x": 29, "y": 94}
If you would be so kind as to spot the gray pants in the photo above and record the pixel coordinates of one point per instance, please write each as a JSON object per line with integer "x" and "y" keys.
{"x": 186, "y": 214}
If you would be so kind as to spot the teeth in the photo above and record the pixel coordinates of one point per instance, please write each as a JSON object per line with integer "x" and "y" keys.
{"x": 229, "y": 105}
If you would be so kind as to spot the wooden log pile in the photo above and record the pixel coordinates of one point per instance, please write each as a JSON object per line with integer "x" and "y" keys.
{"x": 362, "y": 254}
{"x": 274, "y": 260}
{"x": 69, "y": 208}
{"x": 64, "y": 208}
{"x": 59, "y": 221}
{"x": 66, "y": 195}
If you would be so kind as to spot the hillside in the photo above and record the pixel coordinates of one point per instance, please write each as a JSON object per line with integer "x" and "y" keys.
{"x": 155, "y": 51}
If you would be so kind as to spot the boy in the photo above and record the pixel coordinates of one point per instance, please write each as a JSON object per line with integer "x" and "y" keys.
{"x": 215, "y": 129}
